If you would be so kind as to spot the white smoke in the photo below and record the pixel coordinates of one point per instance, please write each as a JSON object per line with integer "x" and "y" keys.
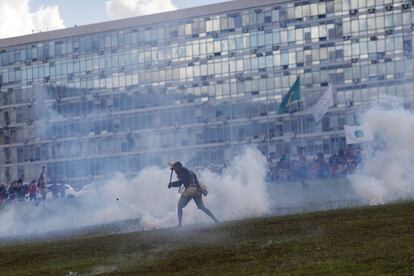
{"x": 117, "y": 9}
{"x": 16, "y": 18}
{"x": 239, "y": 191}
{"x": 386, "y": 173}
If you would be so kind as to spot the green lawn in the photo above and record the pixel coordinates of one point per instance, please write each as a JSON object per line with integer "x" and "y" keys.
{"x": 375, "y": 240}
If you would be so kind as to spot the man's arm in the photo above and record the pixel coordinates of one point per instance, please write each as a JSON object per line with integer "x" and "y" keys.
{"x": 177, "y": 183}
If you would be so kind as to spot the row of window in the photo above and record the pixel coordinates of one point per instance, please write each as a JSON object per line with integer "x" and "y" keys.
{"x": 213, "y": 156}
{"x": 228, "y": 129}
{"x": 271, "y": 87}
{"x": 178, "y": 137}
{"x": 58, "y": 48}
{"x": 280, "y": 57}
{"x": 188, "y": 27}
{"x": 196, "y": 73}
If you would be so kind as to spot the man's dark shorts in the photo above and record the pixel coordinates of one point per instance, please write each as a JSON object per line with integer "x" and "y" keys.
{"x": 183, "y": 201}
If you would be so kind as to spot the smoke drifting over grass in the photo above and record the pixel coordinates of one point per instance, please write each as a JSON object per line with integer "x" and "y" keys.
{"x": 387, "y": 171}
{"x": 239, "y": 191}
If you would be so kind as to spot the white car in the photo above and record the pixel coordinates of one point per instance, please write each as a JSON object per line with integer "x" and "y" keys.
{"x": 89, "y": 190}
{"x": 58, "y": 190}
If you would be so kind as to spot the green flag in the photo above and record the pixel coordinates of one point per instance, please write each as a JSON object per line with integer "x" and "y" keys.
{"x": 291, "y": 97}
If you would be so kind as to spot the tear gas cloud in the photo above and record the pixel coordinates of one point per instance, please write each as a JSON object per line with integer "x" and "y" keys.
{"x": 239, "y": 191}
{"x": 386, "y": 173}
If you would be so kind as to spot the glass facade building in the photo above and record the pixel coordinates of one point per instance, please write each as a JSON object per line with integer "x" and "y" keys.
{"x": 196, "y": 85}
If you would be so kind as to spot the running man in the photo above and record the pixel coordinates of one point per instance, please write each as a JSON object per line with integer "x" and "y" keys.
{"x": 192, "y": 190}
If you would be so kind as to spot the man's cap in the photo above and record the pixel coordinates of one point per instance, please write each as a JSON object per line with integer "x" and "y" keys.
{"x": 175, "y": 165}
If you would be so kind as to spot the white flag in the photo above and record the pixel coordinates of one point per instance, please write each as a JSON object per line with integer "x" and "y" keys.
{"x": 357, "y": 134}
{"x": 321, "y": 107}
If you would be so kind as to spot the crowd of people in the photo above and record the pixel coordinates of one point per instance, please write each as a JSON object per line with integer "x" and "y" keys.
{"x": 36, "y": 190}
{"x": 300, "y": 168}
{"x": 18, "y": 190}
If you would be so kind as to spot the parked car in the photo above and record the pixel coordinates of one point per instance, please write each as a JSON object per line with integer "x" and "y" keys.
{"x": 58, "y": 190}
{"x": 89, "y": 190}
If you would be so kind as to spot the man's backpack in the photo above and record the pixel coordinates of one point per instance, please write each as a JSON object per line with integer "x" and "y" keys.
{"x": 202, "y": 186}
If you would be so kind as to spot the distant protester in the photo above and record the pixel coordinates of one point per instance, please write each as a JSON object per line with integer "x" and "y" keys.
{"x": 344, "y": 162}
{"x": 301, "y": 168}
{"x": 282, "y": 168}
{"x": 3, "y": 194}
{"x": 33, "y": 190}
{"x": 41, "y": 184}
{"x": 321, "y": 165}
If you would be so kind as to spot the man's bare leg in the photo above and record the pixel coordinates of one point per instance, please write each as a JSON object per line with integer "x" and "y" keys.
{"x": 209, "y": 213}
{"x": 180, "y": 216}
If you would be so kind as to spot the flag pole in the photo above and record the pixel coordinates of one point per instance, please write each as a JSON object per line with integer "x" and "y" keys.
{"x": 302, "y": 114}
{"x": 300, "y": 123}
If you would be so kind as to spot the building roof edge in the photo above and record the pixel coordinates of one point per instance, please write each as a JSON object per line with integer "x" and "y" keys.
{"x": 136, "y": 21}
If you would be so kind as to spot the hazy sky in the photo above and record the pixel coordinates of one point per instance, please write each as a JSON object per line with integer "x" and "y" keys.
{"x": 20, "y": 17}
{"x": 81, "y": 12}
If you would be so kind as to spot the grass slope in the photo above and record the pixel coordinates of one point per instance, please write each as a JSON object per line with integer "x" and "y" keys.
{"x": 375, "y": 240}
